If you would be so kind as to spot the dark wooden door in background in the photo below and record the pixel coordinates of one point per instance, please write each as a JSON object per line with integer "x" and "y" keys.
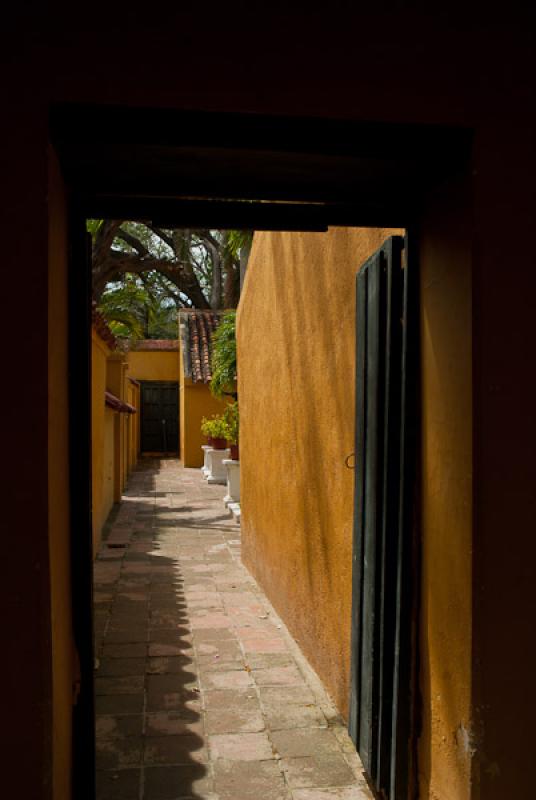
{"x": 382, "y": 670}
{"x": 159, "y": 417}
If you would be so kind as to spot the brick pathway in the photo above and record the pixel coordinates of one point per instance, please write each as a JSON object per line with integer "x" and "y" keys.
{"x": 200, "y": 690}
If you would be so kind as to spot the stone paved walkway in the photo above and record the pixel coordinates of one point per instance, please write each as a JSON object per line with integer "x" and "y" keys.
{"x": 200, "y": 690}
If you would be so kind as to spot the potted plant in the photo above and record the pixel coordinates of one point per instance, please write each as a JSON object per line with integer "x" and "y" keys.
{"x": 231, "y": 419}
{"x": 215, "y": 430}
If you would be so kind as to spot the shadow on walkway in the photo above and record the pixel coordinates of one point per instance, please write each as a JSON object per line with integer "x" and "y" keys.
{"x": 200, "y": 691}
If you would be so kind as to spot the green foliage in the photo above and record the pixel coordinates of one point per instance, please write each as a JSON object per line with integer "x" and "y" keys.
{"x": 138, "y": 307}
{"x": 237, "y": 240}
{"x": 93, "y": 226}
{"x": 231, "y": 420}
{"x": 224, "y": 356}
{"x": 214, "y": 427}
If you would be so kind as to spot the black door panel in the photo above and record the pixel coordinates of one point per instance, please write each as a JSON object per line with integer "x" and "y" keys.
{"x": 159, "y": 417}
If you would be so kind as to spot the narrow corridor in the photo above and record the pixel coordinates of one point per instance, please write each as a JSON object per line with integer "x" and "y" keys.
{"x": 200, "y": 690}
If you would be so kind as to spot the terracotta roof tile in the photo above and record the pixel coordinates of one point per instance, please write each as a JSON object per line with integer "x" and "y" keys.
{"x": 102, "y": 328}
{"x": 157, "y": 344}
{"x": 114, "y": 402}
{"x": 197, "y": 328}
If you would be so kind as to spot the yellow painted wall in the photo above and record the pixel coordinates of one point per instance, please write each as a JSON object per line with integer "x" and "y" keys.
{"x": 153, "y": 365}
{"x": 445, "y": 748}
{"x": 133, "y": 395}
{"x": 108, "y": 463}
{"x": 99, "y": 355}
{"x": 296, "y": 352}
{"x": 116, "y": 371}
{"x": 58, "y": 495}
{"x": 195, "y": 402}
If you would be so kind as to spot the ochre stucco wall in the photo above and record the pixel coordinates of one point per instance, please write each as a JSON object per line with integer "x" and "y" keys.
{"x": 108, "y": 464}
{"x": 133, "y": 396}
{"x": 101, "y": 507}
{"x": 196, "y": 402}
{"x": 151, "y": 365}
{"x": 58, "y": 502}
{"x": 447, "y": 739}
{"x": 296, "y": 351}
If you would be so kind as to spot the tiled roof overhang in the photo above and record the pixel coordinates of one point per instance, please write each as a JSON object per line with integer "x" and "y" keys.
{"x": 102, "y": 328}
{"x": 116, "y": 404}
{"x": 165, "y": 345}
{"x": 196, "y": 329}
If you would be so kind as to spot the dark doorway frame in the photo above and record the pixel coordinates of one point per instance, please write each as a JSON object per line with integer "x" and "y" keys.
{"x": 163, "y": 384}
{"x": 296, "y": 174}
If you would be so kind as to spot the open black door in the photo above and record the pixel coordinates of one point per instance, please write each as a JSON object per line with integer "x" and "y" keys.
{"x": 382, "y": 669}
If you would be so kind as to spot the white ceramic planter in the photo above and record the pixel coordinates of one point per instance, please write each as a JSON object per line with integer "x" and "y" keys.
{"x": 216, "y": 470}
{"x": 204, "y": 469}
{"x": 233, "y": 481}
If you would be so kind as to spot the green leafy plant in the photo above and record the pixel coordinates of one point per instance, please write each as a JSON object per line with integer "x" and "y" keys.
{"x": 224, "y": 357}
{"x": 231, "y": 419}
{"x": 214, "y": 427}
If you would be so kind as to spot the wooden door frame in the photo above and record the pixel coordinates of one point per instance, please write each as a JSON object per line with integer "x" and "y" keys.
{"x": 160, "y": 383}
{"x": 72, "y": 127}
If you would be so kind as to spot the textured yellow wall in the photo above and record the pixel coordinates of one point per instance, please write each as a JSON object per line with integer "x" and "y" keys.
{"x": 133, "y": 395}
{"x": 99, "y": 355}
{"x": 107, "y": 477}
{"x": 58, "y": 491}
{"x": 445, "y": 748}
{"x": 296, "y": 351}
{"x": 196, "y": 402}
{"x": 153, "y": 365}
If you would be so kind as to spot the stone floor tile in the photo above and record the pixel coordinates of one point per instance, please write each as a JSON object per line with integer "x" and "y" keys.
{"x": 223, "y": 705}
{"x": 174, "y": 723}
{"x": 119, "y": 704}
{"x": 164, "y": 665}
{"x": 274, "y": 696}
{"x": 179, "y": 649}
{"x": 118, "y": 785}
{"x": 171, "y": 783}
{"x": 209, "y": 635}
{"x": 120, "y": 667}
{"x": 283, "y": 717}
{"x": 115, "y": 753}
{"x": 229, "y": 679}
{"x": 341, "y": 793}
{"x": 278, "y": 676}
{"x": 241, "y": 747}
{"x": 131, "y": 684}
{"x": 131, "y": 650}
{"x": 117, "y": 727}
{"x": 305, "y": 742}
{"x": 170, "y": 692}
{"x": 317, "y": 771}
{"x": 169, "y": 749}
{"x": 249, "y": 780}
{"x": 268, "y": 660}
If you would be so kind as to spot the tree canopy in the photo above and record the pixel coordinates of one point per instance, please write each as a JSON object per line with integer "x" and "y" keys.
{"x": 143, "y": 274}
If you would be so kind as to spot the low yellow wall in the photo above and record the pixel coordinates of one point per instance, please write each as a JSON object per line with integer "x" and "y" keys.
{"x": 115, "y": 441}
{"x": 153, "y": 365}
{"x": 296, "y": 352}
{"x": 196, "y": 402}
